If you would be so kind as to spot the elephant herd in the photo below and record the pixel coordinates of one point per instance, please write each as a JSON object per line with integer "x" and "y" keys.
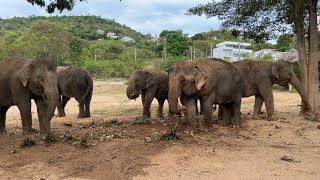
{"x": 210, "y": 81}
{"x": 23, "y": 79}
{"x": 213, "y": 81}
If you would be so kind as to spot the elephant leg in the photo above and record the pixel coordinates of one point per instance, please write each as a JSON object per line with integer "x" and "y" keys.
{"x": 207, "y": 108}
{"x": 235, "y": 112}
{"x": 42, "y": 113}
{"x": 191, "y": 109}
{"x": 147, "y": 100}
{"x": 258, "y": 101}
{"x": 26, "y": 116}
{"x": 226, "y": 114}
{"x": 196, "y": 103}
{"x": 220, "y": 112}
{"x": 61, "y": 112}
{"x": 160, "y": 107}
{"x": 267, "y": 96}
{"x": 81, "y": 110}
{"x": 87, "y": 105}
{"x": 65, "y": 99}
{"x": 3, "y": 112}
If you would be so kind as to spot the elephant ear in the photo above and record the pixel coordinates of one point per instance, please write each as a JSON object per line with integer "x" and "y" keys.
{"x": 200, "y": 78}
{"x": 24, "y": 74}
{"x": 149, "y": 80}
{"x": 275, "y": 72}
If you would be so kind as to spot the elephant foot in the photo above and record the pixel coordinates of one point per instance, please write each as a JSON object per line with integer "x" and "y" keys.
{"x": 3, "y": 131}
{"x": 190, "y": 130}
{"x": 271, "y": 118}
{"x": 255, "y": 116}
{"x": 225, "y": 123}
{"x": 160, "y": 119}
{"x": 61, "y": 115}
{"x": 206, "y": 128}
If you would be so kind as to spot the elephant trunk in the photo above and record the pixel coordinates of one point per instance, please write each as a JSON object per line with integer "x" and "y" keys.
{"x": 132, "y": 92}
{"x": 173, "y": 95}
{"x": 51, "y": 99}
{"x": 297, "y": 85}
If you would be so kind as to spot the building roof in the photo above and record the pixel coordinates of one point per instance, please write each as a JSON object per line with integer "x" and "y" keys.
{"x": 233, "y": 43}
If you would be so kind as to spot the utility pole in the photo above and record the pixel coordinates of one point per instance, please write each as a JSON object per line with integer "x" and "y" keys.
{"x": 211, "y": 55}
{"x": 239, "y": 52}
{"x": 194, "y": 52}
{"x": 135, "y": 54}
{"x": 191, "y": 52}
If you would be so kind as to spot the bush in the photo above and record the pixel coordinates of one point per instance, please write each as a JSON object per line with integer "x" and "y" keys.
{"x": 168, "y": 63}
{"x": 115, "y": 68}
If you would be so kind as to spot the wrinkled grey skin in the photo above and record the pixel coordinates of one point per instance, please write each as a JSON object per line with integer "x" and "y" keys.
{"x": 74, "y": 82}
{"x": 212, "y": 81}
{"x": 150, "y": 83}
{"x": 23, "y": 79}
{"x": 259, "y": 77}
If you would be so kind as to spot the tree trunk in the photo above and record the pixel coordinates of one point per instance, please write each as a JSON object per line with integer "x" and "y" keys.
{"x": 313, "y": 81}
{"x": 298, "y": 6}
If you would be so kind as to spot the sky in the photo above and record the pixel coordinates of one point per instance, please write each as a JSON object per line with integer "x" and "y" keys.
{"x": 145, "y": 16}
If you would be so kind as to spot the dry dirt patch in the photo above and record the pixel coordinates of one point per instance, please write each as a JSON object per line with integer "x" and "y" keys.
{"x": 284, "y": 149}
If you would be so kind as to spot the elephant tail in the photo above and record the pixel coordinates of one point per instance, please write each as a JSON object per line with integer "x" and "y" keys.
{"x": 89, "y": 89}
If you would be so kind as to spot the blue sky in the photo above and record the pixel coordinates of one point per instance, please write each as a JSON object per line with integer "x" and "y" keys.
{"x": 145, "y": 16}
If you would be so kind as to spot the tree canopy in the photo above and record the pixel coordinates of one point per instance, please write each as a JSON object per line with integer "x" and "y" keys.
{"x": 175, "y": 42}
{"x": 262, "y": 20}
{"x": 59, "y": 5}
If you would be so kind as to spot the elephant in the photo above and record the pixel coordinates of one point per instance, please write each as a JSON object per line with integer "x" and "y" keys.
{"x": 74, "y": 82}
{"x": 211, "y": 81}
{"x": 23, "y": 79}
{"x": 151, "y": 83}
{"x": 259, "y": 76}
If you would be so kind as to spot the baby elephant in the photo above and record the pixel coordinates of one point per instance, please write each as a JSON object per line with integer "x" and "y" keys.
{"x": 74, "y": 82}
{"x": 150, "y": 83}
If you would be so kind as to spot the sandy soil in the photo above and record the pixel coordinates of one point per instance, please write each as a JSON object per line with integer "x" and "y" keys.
{"x": 288, "y": 148}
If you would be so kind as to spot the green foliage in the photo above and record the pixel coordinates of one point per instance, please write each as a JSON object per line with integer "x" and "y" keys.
{"x": 175, "y": 42}
{"x": 45, "y": 39}
{"x": 60, "y": 5}
{"x": 76, "y": 46}
{"x": 115, "y": 68}
{"x": 285, "y": 42}
{"x": 84, "y": 27}
{"x": 259, "y": 20}
{"x": 198, "y": 36}
{"x": 168, "y": 63}
{"x": 7, "y": 45}
{"x": 259, "y": 46}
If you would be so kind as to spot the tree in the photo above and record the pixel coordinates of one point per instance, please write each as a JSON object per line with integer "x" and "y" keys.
{"x": 175, "y": 42}
{"x": 198, "y": 36}
{"x": 262, "y": 20}
{"x": 284, "y": 42}
{"x": 56, "y": 4}
{"x": 45, "y": 39}
{"x": 76, "y": 45}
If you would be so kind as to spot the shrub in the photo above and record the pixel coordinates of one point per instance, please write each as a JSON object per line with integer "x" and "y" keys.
{"x": 115, "y": 68}
{"x": 168, "y": 63}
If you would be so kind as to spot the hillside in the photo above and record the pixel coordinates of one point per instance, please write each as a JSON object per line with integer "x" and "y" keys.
{"x": 84, "y": 27}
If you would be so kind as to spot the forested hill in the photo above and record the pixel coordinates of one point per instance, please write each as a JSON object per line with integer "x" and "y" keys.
{"x": 85, "y": 27}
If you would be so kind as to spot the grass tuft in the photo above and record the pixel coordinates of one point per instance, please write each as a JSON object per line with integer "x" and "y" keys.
{"x": 27, "y": 142}
{"x": 141, "y": 121}
{"x": 170, "y": 134}
{"x": 50, "y": 138}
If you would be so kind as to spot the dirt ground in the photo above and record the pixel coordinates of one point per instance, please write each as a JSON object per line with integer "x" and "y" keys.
{"x": 288, "y": 148}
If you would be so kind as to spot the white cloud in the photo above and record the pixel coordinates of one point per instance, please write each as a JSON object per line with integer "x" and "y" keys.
{"x": 146, "y": 16}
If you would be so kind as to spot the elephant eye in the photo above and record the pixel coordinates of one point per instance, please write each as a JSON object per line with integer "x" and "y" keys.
{"x": 41, "y": 78}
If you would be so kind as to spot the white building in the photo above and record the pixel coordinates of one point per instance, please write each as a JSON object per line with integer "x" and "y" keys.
{"x": 231, "y": 51}
{"x": 127, "y": 38}
{"x": 112, "y": 35}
